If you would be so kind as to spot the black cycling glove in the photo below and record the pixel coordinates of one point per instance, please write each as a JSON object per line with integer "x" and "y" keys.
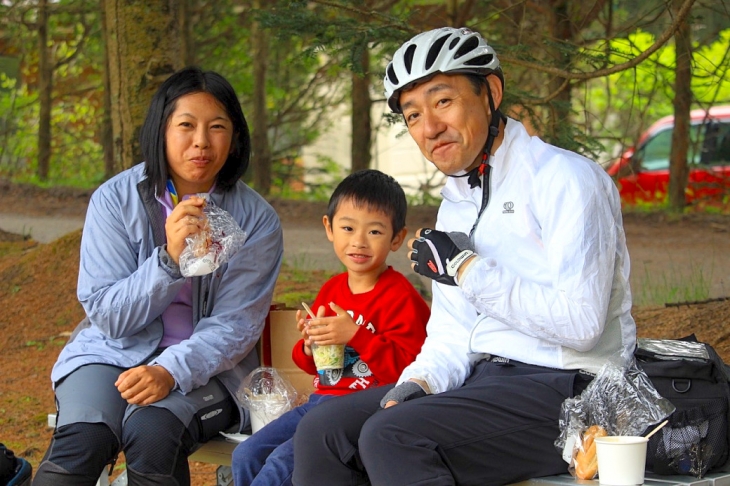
{"x": 438, "y": 255}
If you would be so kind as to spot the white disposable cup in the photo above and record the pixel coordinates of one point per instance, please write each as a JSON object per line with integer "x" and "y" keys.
{"x": 265, "y": 408}
{"x": 621, "y": 460}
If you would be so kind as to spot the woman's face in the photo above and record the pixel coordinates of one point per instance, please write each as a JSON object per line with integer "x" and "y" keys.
{"x": 198, "y": 141}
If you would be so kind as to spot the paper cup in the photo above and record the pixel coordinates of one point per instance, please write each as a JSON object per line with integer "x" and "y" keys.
{"x": 621, "y": 460}
{"x": 265, "y": 408}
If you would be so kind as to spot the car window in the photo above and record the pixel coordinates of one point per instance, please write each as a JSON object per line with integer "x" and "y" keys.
{"x": 716, "y": 150}
{"x": 654, "y": 154}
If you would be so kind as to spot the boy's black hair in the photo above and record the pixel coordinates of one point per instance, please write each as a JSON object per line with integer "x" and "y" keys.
{"x": 187, "y": 81}
{"x": 374, "y": 189}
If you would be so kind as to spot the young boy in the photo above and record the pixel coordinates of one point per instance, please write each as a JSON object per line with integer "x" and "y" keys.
{"x": 371, "y": 308}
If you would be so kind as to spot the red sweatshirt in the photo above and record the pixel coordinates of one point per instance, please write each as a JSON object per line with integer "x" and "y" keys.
{"x": 392, "y": 319}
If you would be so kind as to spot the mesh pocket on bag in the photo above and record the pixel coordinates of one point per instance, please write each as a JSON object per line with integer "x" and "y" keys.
{"x": 694, "y": 441}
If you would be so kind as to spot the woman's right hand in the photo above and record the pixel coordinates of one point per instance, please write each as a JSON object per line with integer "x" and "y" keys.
{"x": 185, "y": 220}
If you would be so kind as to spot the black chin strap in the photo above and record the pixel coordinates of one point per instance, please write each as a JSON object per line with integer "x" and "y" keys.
{"x": 479, "y": 175}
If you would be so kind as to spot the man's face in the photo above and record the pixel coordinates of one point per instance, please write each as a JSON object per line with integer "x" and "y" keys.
{"x": 448, "y": 121}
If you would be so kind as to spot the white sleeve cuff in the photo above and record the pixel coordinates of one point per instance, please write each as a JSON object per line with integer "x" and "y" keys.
{"x": 467, "y": 268}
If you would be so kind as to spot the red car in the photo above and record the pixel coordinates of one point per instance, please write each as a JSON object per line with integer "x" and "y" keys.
{"x": 642, "y": 172}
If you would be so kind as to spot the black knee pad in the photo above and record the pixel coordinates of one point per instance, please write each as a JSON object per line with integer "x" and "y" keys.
{"x": 155, "y": 441}
{"x": 83, "y": 448}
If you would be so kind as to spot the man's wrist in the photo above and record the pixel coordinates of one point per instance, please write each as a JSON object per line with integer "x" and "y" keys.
{"x": 465, "y": 268}
{"x": 422, "y": 384}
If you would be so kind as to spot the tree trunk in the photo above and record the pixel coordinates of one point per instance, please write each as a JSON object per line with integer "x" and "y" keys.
{"x": 107, "y": 137}
{"x": 187, "y": 48}
{"x": 678, "y": 170}
{"x": 361, "y": 103}
{"x": 560, "y": 29}
{"x": 259, "y": 139}
{"x": 143, "y": 39}
{"x": 45, "y": 87}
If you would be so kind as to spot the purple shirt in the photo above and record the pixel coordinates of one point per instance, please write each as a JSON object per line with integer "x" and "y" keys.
{"x": 177, "y": 319}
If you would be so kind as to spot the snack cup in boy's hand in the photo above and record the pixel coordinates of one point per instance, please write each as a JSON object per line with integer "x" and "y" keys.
{"x": 328, "y": 357}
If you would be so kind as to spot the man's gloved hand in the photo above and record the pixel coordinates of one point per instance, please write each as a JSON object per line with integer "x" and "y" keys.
{"x": 438, "y": 255}
{"x": 408, "y": 390}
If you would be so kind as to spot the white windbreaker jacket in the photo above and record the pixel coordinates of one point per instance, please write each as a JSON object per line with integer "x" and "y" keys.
{"x": 551, "y": 284}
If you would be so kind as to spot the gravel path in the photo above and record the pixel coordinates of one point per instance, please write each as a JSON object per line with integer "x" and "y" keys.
{"x": 305, "y": 245}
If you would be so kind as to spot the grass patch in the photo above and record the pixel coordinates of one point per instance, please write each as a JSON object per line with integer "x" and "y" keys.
{"x": 296, "y": 284}
{"x": 672, "y": 286}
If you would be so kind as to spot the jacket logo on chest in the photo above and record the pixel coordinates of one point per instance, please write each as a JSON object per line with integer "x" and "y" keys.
{"x": 508, "y": 207}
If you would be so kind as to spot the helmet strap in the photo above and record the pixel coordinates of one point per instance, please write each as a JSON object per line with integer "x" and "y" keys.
{"x": 497, "y": 116}
{"x": 478, "y": 175}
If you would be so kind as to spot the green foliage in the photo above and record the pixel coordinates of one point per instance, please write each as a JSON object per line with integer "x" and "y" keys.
{"x": 300, "y": 88}
{"x": 322, "y": 179}
{"x": 76, "y": 154}
{"x": 75, "y": 49}
{"x": 617, "y": 108}
{"x": 314, "y": 47}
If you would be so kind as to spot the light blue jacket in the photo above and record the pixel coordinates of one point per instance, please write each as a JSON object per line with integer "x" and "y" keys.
{"x": 126, "y": 280}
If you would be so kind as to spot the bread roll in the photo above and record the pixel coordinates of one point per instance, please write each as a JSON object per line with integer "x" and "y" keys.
{"x": 586, "y": 462}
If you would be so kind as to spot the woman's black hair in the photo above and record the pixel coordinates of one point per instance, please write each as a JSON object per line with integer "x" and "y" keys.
{"x": 376, "y": 191}
{"x": 152, "y": 138}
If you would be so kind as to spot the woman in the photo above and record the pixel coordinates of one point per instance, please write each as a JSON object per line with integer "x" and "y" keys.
{"x": 155, "y": 371}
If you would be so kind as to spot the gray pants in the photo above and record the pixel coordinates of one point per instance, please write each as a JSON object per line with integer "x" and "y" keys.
{"x": 95, "y": 423}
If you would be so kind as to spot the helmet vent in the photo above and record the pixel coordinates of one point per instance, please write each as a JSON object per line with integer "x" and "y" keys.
{"x": 480, "y": 60}
{"x": 435, "y": 50}
{"x": 469, "y": 45}
{"x": 453, "y": 43}
{"x": 408, "y": 58}
{"x": 391, "y": 74}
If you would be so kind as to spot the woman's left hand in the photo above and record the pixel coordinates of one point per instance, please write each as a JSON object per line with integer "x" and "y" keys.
{"x": 145, "y": 384}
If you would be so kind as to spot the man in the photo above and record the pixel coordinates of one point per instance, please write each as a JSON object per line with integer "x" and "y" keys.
{"x": 530, "y": 296}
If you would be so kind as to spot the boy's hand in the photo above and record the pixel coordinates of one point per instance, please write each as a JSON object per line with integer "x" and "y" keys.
{"x": 333, "y": 330}
{"x": 303, "y": 327}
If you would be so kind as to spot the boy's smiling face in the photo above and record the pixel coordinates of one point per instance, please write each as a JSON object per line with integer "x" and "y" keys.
{"x": 362, "y": 239}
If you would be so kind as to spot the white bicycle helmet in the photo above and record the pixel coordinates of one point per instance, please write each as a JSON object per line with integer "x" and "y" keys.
{"x": 444, "y": 50}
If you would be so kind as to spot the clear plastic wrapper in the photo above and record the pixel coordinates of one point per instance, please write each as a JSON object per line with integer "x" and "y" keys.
{"x": 220, "y": 238}
{"x": 267, "y": 395}
{"x": 620, "y": 400}
{"x": 667, "y": 349}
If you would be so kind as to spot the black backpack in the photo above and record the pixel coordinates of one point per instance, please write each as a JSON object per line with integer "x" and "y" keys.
{"x": 694, "y": 378}
{"x": 14, "y": 471}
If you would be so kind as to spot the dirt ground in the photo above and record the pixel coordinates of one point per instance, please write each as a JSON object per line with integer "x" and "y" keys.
{"x": 39, "y": 307}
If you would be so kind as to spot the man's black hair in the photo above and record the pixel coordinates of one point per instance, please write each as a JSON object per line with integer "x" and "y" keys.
{"x": 376, "y": 191}
{"x": 187, "y": 81}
